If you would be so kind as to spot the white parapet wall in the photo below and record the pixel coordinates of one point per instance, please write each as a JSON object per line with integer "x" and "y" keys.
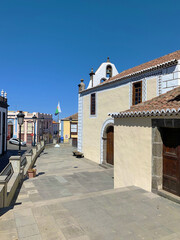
{"x": 1, "y": 195}
{"x": 20, "y": 166}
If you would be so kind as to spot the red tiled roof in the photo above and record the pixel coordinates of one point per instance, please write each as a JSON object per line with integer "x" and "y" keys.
{"x": 74, "y": 117}
{"x": 54, "y": 122}
{"x": 158, "y": 61}
{"x": 166, "y": 103}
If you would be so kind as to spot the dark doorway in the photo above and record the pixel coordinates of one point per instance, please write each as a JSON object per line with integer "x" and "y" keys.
{"x": 171, "y": 160}
{"x": 110, "y": 145}
{"x": 29, "y": 138}
{"x": 74, "y": 142}
{"x": 10, "y": 131}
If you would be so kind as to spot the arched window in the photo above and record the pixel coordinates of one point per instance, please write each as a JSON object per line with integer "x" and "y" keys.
{"x": 10, "y": 122}
{"x": 108, "y": 71}
{"x": 102, "y": 80}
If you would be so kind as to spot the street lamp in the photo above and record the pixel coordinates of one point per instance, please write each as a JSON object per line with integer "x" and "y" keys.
{"x": 42, "y": 121}
{"x": 20, "y": 117}
{"x": 34, "y": 120}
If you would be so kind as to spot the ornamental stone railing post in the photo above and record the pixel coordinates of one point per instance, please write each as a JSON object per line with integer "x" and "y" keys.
{"x": 3, "y": 182}
{"x": 29, "y": 157}
{"x": 34, "y": 151}
{"x": 29, "y": 161}
{"x": 38, "y": 147}
{"x": 42, "y": 143}
{"x": 16, "y": 163}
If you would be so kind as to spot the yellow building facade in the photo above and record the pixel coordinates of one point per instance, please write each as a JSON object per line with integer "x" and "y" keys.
{"x": 99, "y": 139}
{"x": 147, "y": 145}
{"x": 70, "y": 128}
{"x": 110, "y": 97}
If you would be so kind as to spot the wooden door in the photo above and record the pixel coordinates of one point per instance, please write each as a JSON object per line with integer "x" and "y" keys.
{"x": 29, "y": 138}
{"x": 171, "y": 160}
{"x": 74, "y": 142}
{"x": 110, "y": 145}
{"x": 9, "y": 132}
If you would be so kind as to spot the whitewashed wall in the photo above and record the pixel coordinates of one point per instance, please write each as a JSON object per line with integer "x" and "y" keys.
{"x": 3, "y": 110}
{"x": 170, "y": 78}
{"x": 101, "y": 74}
{"x": 154, "y": 83}
{"x": 80, "y": 122}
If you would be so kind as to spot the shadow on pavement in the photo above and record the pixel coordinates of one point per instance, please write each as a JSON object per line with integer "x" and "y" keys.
{"x": 40, "y": 173}
{"x": 13, "y": 203}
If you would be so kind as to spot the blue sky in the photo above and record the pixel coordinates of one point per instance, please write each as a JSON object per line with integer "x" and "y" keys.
{"x": 47, "y": 46}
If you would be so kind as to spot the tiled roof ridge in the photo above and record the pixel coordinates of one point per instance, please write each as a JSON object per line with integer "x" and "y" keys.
{"x": 160, "y": 96}
{"x": 54, "y": 122}
{"x": 170, "y": 58}
{"x": 147, "y": 65}
{"x": 73, "y": 116}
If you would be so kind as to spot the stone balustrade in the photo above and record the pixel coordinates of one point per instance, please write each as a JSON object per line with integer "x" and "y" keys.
{"x": 15, "y": 172}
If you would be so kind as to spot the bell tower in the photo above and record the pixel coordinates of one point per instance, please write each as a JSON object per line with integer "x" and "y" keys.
{"x": 103, "y": 73}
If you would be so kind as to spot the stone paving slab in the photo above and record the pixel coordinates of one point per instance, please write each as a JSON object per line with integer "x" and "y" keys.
{"x": 74, "y": 199}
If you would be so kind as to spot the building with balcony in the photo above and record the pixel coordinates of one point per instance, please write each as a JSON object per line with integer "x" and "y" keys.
{"x": 70, "y": 129}
{"x": 43, "y": 128}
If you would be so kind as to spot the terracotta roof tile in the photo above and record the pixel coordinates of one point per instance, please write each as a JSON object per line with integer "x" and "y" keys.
{"x": 169, "y": 100}
{"x": 74, "y": 117}
{"x": 54, "y": 122}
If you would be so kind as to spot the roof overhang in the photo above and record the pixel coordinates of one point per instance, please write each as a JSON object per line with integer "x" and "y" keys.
{"x": 153, "y": 113}
{"x": 153, "y": 68}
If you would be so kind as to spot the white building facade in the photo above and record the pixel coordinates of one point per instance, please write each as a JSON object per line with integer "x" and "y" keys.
{"x": 43, "y": 129}
{"x": 105, "y": 71}
{"x": 3, "y": 122}
{"x": 116, "y": 94}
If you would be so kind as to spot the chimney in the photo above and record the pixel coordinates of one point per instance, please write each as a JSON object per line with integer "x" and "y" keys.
{"x": 81, "y": 86}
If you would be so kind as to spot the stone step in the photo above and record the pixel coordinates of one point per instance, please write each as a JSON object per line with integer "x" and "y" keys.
{"x": 106, "y": 165}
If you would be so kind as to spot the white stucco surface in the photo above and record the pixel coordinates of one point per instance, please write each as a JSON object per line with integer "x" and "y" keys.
{"x": 3, "y": 110}
{"x": 115, "y": 97}
{"x": 133, "y": 153}
{"x": 101, "y": 74}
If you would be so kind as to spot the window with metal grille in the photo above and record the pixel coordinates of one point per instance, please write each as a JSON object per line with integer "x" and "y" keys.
{"x": 29, "y": 127}
{"x": 93, "y": 104}
{"x": 137, "y": 93}
{"x": 73, "y": 128}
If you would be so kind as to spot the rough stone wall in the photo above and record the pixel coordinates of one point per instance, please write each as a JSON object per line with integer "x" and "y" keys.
{"x": 157, "y": 149}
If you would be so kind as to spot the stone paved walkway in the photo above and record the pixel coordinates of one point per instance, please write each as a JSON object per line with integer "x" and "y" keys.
{"x": 74, "y": 199}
